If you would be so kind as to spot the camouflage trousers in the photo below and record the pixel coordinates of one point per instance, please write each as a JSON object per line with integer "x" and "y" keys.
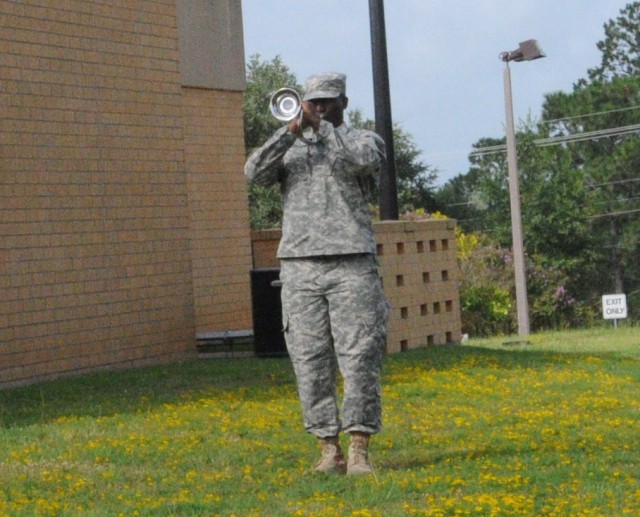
{"x": 335, "y": 318}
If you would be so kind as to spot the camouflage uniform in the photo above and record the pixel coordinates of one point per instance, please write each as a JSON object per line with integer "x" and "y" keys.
{"x": 334, "y": 311}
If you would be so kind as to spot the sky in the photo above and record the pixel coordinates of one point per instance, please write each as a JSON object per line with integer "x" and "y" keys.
{"x": 445, "y": 75}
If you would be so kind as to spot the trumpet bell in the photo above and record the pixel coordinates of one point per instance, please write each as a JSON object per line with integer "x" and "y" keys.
{"x": 285, "y": 104}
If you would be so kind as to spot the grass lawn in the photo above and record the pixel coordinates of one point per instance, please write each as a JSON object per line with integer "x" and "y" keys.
{"x": 485, "y": 428}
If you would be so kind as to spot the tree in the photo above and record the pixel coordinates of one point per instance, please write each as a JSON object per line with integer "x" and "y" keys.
{"x": 486, "y": 274}
{"x": 415, "y": 179}
{"x": 621, "y": 46}
{"x": 621, "y": 59}
{"x": 459, "y": 198}
{"x": 263, "y": 79}
{"x": 609, "y": 163}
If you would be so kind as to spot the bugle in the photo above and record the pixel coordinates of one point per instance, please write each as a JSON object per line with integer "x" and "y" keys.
{"x": 285, "y": 104}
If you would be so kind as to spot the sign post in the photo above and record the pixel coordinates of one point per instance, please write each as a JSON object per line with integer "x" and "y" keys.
{"x": 614, "y": 307}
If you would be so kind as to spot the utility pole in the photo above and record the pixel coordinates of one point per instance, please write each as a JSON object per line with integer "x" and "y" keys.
{"x": 388, "y": 196}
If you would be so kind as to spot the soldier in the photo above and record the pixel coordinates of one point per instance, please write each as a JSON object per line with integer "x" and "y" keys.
{"x": 334, "y": 310}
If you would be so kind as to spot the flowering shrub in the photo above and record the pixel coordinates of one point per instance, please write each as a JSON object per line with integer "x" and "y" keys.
{"x": 551, "y": 303}
{"x": 485, "y": 310}
{"x": 486, "y": 286}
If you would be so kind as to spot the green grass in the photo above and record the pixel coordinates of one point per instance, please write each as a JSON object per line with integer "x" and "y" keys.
{"x": 487, "y": 428}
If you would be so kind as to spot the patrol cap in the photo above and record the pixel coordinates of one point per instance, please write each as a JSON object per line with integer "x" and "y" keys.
{"x": 325, "y": 86}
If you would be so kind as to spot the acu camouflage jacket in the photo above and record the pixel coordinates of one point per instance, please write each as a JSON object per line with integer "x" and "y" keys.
{"x": 325, "y": 188}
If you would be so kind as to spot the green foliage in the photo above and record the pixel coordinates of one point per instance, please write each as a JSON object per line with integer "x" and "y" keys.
{"x": 609, "y": 178}
{"x": 263, "y": 79}
{"x": 460, "y": 199}
{"x": 265, "y": 207}
{"x": 621, "y": 46}
{"x": 486, "y": 273}
{"x": 485, "y": 310}
{"x": 415, "y": 180}
{"x": 552, "y": 296}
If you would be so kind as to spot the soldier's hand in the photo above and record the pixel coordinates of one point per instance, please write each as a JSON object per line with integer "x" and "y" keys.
{"x": 309, "y": 116}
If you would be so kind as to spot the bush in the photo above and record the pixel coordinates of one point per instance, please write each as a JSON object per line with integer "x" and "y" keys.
{"x": 486, "y": 310}
{"x": 485, "y": 287}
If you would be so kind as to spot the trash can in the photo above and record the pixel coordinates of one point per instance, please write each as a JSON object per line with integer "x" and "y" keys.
{"x": 268, "y": 338}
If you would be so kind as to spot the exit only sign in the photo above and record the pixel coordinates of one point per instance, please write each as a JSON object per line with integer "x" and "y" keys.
{"x": 614, "y": 306}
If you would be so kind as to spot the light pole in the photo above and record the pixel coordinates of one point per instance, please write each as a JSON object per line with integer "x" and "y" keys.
{"x": 527, "y": 51}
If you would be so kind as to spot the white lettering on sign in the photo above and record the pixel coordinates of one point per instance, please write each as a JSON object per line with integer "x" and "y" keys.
{"x": 614, "y": 306}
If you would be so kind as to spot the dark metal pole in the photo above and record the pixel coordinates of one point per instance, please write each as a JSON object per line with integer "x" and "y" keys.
{"x": 388, "y": 197}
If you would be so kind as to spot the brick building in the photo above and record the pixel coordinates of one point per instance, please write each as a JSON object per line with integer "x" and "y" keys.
{"x": 124, "y": 227}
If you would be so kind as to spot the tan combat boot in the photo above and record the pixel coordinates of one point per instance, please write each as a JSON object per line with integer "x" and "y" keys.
{"x": 332, "y": 460}
{"x": 358, "y": 463}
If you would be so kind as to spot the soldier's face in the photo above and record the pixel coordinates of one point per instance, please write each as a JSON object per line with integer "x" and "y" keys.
{"x": 331, "y": 110}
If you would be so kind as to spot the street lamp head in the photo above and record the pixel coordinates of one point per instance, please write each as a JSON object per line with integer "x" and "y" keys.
{"x": 526, "y": 51}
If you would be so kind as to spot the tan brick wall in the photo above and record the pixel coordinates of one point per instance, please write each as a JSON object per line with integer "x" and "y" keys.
{"x": 419, "y": 274}
{"x": 420, "y": 279}
{"x": 264, "y": 245}
{"x": 102, "y": 232}
{"x": 220, "y": 239}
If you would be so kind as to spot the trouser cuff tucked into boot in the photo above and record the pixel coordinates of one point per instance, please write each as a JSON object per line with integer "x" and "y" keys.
{"x": 332, "y": 460}
{"x": 358, "y": 463}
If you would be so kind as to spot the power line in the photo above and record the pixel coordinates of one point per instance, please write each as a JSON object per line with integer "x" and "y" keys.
{"x": 461, "y": 204}
{"x": 480, "y": 151}
{"x": 617, "y": 182}
{"x": 576, "y": 117}
{"x": 616, "y": 201}
{"x": 577, "y": 137}
{"x": 588, "y": 135}
{"x": 612, "y": 214}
